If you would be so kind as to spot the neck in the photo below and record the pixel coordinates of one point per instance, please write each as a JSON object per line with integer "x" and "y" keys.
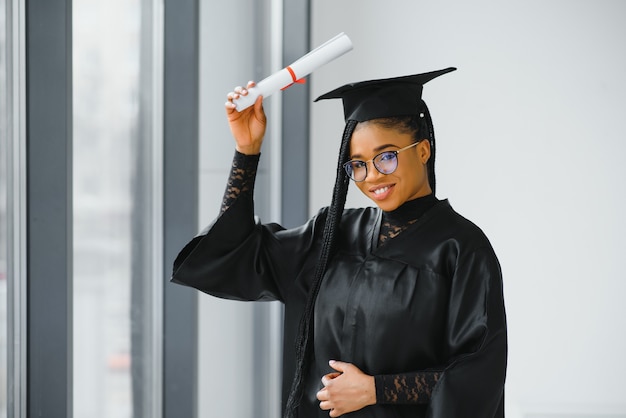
{"x": 396, "y": 221}
{"x": 412, "y": 209}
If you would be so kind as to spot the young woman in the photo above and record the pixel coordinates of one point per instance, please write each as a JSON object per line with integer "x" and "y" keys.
{"x": 395, "y": 311}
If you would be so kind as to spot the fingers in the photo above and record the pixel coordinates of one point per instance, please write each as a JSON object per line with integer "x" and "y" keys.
{"x": 229, "y": 105}
{"x": 323, "y": 395}
{"x": 258, "y": 109}
{"x": 235, "y": 94}
{"x": 333, "y": 412}
{"x": 326, "y": 404}
{"x": 328, "y": 377}
{"x": 345, "y": 390}
{"x": 339, "y": 365}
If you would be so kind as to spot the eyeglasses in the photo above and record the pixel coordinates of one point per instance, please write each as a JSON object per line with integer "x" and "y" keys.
{"x": 386, "y": 163}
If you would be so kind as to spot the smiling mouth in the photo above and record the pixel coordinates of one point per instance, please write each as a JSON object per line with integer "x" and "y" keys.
{"x": 380, "y": 191}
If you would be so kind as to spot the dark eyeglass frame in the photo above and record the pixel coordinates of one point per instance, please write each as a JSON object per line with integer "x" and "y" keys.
{"x": 378, "y": 158}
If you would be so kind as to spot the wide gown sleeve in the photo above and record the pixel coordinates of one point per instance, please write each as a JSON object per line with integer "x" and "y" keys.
{"x": 469, "y": 380}
{"x": 238, "y": 258}
{"x": 472, "y": 384}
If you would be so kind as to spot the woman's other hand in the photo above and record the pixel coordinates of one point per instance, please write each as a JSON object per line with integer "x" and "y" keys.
{"x": 346, "y": 390}
{"x": 247, "y": 126}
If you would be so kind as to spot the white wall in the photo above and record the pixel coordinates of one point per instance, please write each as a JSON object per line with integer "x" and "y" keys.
{"x": 531, "y": 141}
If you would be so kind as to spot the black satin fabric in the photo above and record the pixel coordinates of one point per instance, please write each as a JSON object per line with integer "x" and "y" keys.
{"x": 430, "y": 298}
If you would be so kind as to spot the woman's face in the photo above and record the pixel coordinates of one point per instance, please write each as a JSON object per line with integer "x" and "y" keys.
{"x": 407, "y": 182}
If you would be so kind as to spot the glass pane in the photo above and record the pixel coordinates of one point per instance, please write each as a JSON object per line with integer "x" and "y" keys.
{"x": 4, "y": 138}
{"x": 113, "y": 268}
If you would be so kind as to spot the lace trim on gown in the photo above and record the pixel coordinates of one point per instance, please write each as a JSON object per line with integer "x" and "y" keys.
{"x": 396, "y": 221}
{"x": 241, "y": 179}
{"x": 389, "y": 230}
{"x": 409, "y": 388}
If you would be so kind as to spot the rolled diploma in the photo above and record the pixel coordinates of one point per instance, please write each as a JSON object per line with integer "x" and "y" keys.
{"x": 323, "y": 54}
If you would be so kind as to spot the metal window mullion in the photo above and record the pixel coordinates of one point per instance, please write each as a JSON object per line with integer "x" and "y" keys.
{"x": 16, "y": 158}
{"x": 295, "y": 143}
{"x": 295, "y": 118}
{"x": 276, "y": 311}
{"x": 156, "y": 178}
{"x": 180, "y": 203}
{"x": 49, "y": 207}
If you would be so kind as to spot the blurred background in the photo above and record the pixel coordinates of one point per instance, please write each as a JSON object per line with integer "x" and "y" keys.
{"x": 530, "y": 136}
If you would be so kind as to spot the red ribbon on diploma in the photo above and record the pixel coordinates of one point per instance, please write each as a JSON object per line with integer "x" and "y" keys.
{"x": 294, "y": 78}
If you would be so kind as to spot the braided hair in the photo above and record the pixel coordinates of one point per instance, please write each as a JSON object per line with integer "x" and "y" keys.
{"x": 415, "y": 125}
{"x": 304, "y": 339}
{"x": 430, "y": 166}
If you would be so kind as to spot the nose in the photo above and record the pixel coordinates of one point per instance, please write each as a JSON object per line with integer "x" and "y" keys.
{"x": 372, "y": 172}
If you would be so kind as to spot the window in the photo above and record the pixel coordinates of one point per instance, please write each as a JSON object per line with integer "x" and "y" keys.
{"x": 4, "y": 237}
{"x": 116, "y": 182}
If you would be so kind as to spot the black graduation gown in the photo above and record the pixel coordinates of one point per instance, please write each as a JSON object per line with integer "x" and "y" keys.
{"x": 429, "y": 298}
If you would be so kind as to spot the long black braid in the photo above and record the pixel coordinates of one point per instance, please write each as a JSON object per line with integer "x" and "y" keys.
{"x": 304, "y": 339}
{"x": 431, "y": 138}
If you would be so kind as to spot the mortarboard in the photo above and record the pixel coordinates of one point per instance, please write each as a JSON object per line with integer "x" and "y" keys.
{"x": 372, "y": 99}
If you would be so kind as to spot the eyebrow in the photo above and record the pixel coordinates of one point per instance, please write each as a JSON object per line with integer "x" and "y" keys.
{"x": 376, "y": 150}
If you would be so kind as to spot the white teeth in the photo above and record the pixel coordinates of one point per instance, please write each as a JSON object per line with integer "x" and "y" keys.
{"x": 381, "y": 190}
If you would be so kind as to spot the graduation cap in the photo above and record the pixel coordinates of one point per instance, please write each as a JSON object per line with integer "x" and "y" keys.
{"x": 398, "y": 96}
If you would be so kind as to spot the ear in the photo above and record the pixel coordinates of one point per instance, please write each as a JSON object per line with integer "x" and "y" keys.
{"x": 423, "y": 151}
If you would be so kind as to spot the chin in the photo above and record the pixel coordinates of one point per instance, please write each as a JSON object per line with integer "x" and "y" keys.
{"x": 387, "y": 206}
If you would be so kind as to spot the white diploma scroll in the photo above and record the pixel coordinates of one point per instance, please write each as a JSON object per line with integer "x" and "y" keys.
{"x": 296, "y": 72}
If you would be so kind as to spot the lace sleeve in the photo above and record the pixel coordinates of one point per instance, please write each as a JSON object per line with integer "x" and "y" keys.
{"x": 410, "y": 388}
{"x": 241, "y": 179}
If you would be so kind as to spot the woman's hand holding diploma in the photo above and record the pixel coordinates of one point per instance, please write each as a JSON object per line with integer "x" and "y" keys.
{"x": 247, "y": 126}
{"x": 295, "y": 73}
